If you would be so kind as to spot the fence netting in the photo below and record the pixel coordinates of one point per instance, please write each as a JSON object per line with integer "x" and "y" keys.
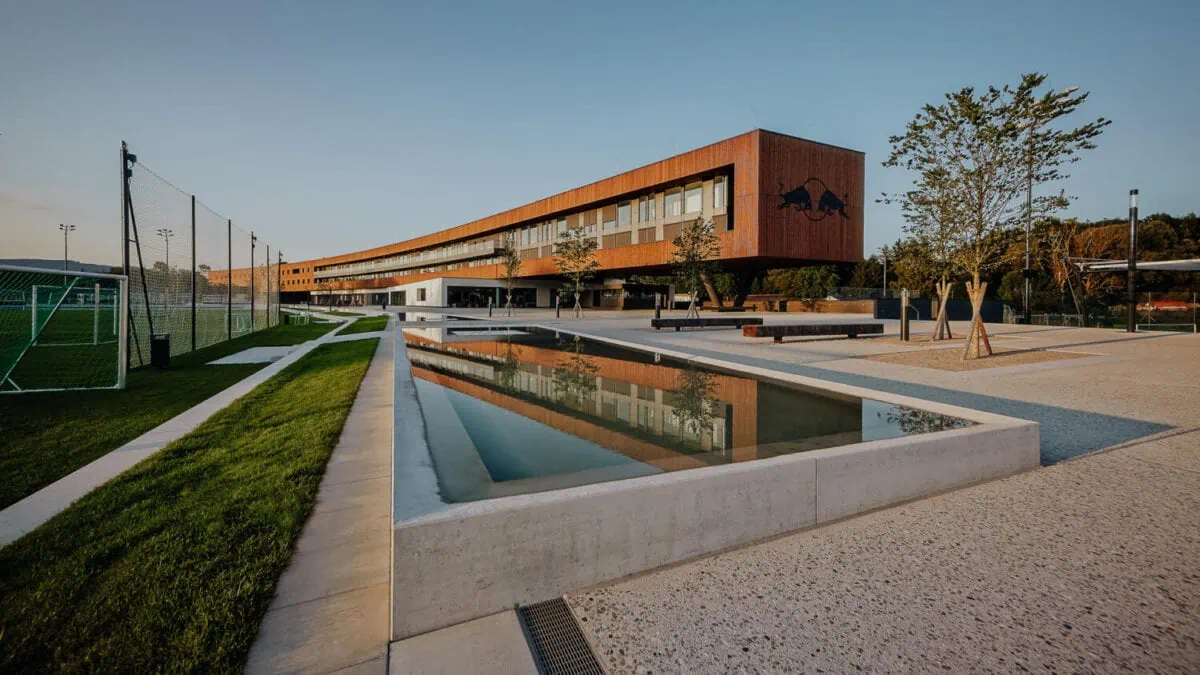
{"x": 197, "y": 295}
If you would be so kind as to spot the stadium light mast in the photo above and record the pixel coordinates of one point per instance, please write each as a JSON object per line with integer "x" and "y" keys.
{"x": 66, "y": 230}
{"x": 166, "y": 234}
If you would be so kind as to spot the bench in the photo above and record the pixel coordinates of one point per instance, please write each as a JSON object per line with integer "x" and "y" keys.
{"x": 850, "y": 330}
{"x": 706, "y": 322}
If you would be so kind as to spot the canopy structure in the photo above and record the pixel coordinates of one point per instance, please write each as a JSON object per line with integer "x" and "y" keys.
{"x": 1192, "y": 265}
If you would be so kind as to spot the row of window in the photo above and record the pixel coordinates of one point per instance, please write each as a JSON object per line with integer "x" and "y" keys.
{"x": 679, "y": 201}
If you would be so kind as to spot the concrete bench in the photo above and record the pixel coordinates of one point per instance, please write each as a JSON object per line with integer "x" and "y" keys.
{"x": 850, "y": 330}
{"x": 706, "y": 322}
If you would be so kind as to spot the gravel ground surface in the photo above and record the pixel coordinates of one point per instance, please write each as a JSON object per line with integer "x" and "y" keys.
{"x": 951, "y": 359}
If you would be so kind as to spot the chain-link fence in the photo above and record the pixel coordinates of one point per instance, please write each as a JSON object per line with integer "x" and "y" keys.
{"x": 194, "y": 276}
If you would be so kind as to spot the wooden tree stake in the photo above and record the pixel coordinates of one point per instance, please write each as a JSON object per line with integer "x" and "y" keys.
{"x": 941, "y": 329}
{"x": 977, "y": 340}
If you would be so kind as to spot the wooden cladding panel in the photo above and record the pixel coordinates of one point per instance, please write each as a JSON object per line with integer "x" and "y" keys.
{"x": 789, "y": 163}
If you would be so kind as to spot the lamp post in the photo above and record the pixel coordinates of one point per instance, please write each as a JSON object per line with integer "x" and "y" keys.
{"x": 1033, "y": 125}
{"x": 1133, "y": 217}
{"x": 66, "y": 230}
{"x": 883, "y": 252}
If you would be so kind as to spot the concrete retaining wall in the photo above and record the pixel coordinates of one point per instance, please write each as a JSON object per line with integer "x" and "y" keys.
{"x": 453, "y": 563}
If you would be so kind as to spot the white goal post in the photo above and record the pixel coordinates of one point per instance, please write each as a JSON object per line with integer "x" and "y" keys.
{"x": 62, "y": 329}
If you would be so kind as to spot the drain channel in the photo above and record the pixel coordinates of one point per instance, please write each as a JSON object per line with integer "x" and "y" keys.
{"x": 559, "y": 645}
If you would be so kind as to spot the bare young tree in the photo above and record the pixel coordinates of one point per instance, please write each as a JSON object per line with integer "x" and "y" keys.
{"x": 695, "y": 248}
{"x": 975, "y": 156}
{"x": 576, "y": 259}
{"x": 510, "y": 261}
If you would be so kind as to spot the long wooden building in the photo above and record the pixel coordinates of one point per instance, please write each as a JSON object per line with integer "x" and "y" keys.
{"x": 774, "y": 200}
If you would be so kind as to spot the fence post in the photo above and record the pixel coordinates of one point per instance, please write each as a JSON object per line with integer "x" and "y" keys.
{"x": 278, "y": 286}
{"x": 229, "y": 281}
{"x": 193, "y": 272}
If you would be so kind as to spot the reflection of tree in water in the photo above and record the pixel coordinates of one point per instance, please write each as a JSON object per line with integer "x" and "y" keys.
{"x": 509, "y": 366}
{"x": 575, "y": 378}
{"x": 695, "y": 398}
{"x": 912, "y": 421}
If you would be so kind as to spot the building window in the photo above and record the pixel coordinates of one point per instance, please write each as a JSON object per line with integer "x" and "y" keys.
{"x": 674, "y": 205}
{"x": 562, "y": 227}
{"x": 421, "y": 295}
{"x": 609, "y": 217}
{"x": 524, "y": 237}
{"x": 651, "y": 204}
{"x": 693, "y": 201}
{"x": 719, "y": 192}
{"x": 624, "y": 214}
{"x": 642, "y": 210}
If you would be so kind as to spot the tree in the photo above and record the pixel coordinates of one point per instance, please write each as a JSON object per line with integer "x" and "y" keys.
{"x": 1068, "y": 245}
{"x": 695, "y": 247}
{"x": 867, "y": 274}
{"x": 805, "y": 283}
{"x": 974, "y": 156}
{"x": 576, "y": 259}
{"x": 510, "y": 261}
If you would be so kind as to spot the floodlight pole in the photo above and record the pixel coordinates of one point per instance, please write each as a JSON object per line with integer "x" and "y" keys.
{"x": 193, "y": 272}
{"x": 1133, "y": 216}
{"x": 252, "y": 240}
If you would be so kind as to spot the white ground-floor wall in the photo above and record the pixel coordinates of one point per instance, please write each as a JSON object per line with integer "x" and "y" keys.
{"x": 448, "y": 292}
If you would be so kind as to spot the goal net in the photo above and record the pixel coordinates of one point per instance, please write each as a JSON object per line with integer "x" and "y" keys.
{"x": 61, "y": 330}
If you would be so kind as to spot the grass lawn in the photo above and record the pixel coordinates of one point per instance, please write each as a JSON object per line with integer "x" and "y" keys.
{"x": 49, "y": 435}
{"x": 171, "y": 566}
{"x": 367, "y": 325}
{"x": 337, "y": 313}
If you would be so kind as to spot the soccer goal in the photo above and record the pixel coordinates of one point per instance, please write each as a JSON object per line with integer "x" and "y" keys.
{"x": 61, "y": 330}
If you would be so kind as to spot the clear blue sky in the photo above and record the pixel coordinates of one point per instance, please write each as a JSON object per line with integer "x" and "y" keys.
{"x": 329, "y": 127}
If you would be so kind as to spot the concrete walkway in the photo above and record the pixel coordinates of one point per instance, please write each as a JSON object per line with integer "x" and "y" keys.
{"x": 331, "y": 607}
{"x": 44, "y": 504}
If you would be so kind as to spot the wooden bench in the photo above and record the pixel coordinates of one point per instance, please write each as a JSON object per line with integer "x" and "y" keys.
{"x": 706, "y": 322}
{"x": 850, "y": 330}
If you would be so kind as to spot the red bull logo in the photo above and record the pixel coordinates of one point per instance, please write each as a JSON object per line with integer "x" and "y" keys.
{"x": 800, "y": 198}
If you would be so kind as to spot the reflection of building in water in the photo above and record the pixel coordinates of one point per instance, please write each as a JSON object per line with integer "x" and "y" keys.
{"x": 635, "y": 407}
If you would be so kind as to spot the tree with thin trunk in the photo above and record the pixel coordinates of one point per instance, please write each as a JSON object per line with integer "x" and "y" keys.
{"x": 1069, "y": 245}
{"x": 576, "y": 259}
{"x": 695, "y": 248}
{"x": 975, "y": 156}
{"x": 510, "y": 260}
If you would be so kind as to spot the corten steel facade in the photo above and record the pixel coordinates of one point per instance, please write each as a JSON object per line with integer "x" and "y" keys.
{"x": 774, "y": 200}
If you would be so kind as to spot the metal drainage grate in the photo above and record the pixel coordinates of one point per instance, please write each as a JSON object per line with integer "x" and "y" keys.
{"x": 559, "y": 645}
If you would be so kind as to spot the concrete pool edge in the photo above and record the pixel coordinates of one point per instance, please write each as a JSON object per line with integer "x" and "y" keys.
{"x": 453, "y": 563}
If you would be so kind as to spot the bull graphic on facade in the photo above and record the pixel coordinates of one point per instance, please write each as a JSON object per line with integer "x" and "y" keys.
{"x": 797, "y": 197}
{"x": 800, "y": 198}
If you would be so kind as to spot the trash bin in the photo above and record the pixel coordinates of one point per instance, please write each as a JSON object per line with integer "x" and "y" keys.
{"x": 160, "y": 350}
